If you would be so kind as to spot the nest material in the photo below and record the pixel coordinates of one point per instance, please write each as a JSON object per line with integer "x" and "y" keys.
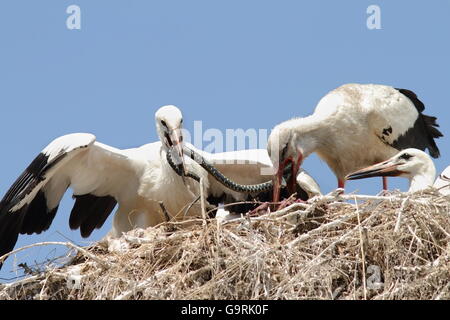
{"x": 336, "y": 246}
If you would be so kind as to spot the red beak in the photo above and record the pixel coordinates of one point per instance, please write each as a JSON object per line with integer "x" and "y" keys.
{"x": 176, "y": 140}
{"x": 295, "y": 165}
{"x": 277, "y": 181}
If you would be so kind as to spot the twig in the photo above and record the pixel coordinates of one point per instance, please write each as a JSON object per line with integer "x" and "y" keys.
{"x": 172, "y": 237}
{"x": 363, "y": 255}
{"x": 399, "y": 214}
{"x": 322, "y": 228}
{"x": 445, "y": 290}
{"x": 143, "y": 284}
{"x": 14, "y": 284}
{"x": 182, "y": 222}
{"x": 202, "y": 201}
{"x": 335, "y": 242}
{"x": 66, "y": 244}
{"x": 164, "y": 210}
{"x": 292, "y": 207}
{"x": 239, "y": 240}
{"x": 137, "y": 240}
{"x": 270, "y": 215}
{"x": 233, "y": 204}
{"x": 394, "y": 198}
{"x": 191, "y": 205}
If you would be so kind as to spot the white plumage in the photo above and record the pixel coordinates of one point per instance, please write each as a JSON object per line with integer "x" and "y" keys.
{"x": 355, "y": 126}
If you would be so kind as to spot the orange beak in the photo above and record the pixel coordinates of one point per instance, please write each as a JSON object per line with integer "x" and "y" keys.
{"x": 176, "y": 141}
{"x": 383, "y": 169}
{"x": 295, "y": 165}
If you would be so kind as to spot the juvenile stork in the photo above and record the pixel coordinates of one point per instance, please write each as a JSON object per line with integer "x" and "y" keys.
{"x": 101, "y": 176}
{"x": 413, "y": 164}
{"x": 354, "y": 126}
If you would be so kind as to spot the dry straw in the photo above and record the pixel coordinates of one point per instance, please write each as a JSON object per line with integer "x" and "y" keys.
{"x": 395, "y": 246}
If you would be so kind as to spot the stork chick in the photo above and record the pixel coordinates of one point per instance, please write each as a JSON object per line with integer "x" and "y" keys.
{"x": 413, "y": 164}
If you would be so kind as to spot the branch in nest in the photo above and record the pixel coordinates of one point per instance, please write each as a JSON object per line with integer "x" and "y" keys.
{"x": 164, "y": 210}
{"x": 105, "y": 264}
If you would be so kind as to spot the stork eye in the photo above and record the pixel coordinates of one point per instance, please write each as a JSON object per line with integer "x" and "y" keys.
{"x": 406, "y": 156}
{"x": 163, "y": 123}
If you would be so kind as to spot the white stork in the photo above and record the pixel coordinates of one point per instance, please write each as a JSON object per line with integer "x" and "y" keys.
{"x": 100, "y": 176}
{"x": 410, "y": 163}
{"x": 354, "y": 126}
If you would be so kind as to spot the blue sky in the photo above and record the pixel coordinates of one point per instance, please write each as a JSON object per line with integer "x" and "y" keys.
{"x": 232, "y": 64}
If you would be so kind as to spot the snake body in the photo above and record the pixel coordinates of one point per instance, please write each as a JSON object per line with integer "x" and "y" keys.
{"x": 230, "y": 184}
{"x": 179, "y": 170}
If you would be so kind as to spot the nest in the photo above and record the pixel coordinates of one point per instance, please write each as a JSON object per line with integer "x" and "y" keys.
{"x": 395, "y": 246}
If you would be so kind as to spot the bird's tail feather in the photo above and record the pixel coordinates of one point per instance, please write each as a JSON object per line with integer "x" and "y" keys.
{"x": 434, "y": 133}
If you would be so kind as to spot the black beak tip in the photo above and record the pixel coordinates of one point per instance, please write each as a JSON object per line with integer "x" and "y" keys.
{"x": 358, "y": 176}
{"x": 350, "y": 177}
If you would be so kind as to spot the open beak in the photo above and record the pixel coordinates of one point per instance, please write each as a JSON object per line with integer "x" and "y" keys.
{"x": 176, "y": 142}
{"x": 277, "y": 180}
{"x": 387, "y": 168}
{"x": 279, "y": 176}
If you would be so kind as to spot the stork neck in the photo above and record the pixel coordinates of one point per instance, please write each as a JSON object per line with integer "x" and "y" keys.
{"x": 422, "y": 180}
{"x": 308, "y": 134}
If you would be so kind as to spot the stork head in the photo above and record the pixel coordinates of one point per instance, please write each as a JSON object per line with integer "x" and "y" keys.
{"x": 283, "y": 150}
{"x": 410, "y": 163}
{"x": 169, "y": 122}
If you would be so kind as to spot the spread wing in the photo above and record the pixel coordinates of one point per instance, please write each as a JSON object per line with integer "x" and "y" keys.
{"x": 99, "y": 175}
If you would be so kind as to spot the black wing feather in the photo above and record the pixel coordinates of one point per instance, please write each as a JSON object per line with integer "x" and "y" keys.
{"x": 413, "y": 97}
{"x": 34, "y": 217}
{"x": 29, "y": 178}
{"x": 38, "y": 217}
{"x": 90, "y": 212}
{"x": 9, "y": 231}
{"x": 424, "y": 131}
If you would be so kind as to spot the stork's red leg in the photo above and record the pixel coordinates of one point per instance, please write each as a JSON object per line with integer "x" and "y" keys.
{"x": 385, "y": 184}
{"x": 341, "y": 183}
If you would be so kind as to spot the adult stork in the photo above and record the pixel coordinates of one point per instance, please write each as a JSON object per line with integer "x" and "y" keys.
{"x": 354, "y": 126}
{"x": 413, "y": 164}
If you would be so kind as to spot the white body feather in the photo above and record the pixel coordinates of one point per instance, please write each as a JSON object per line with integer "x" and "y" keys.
{"x": 346, "y": 128}
{"x": 442, "y": 182}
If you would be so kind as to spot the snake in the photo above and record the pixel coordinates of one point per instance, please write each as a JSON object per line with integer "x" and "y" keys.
{"x": 221, "y": 178}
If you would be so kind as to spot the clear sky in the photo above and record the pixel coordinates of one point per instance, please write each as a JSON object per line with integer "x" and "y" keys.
{"x": 232, "y": 64}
